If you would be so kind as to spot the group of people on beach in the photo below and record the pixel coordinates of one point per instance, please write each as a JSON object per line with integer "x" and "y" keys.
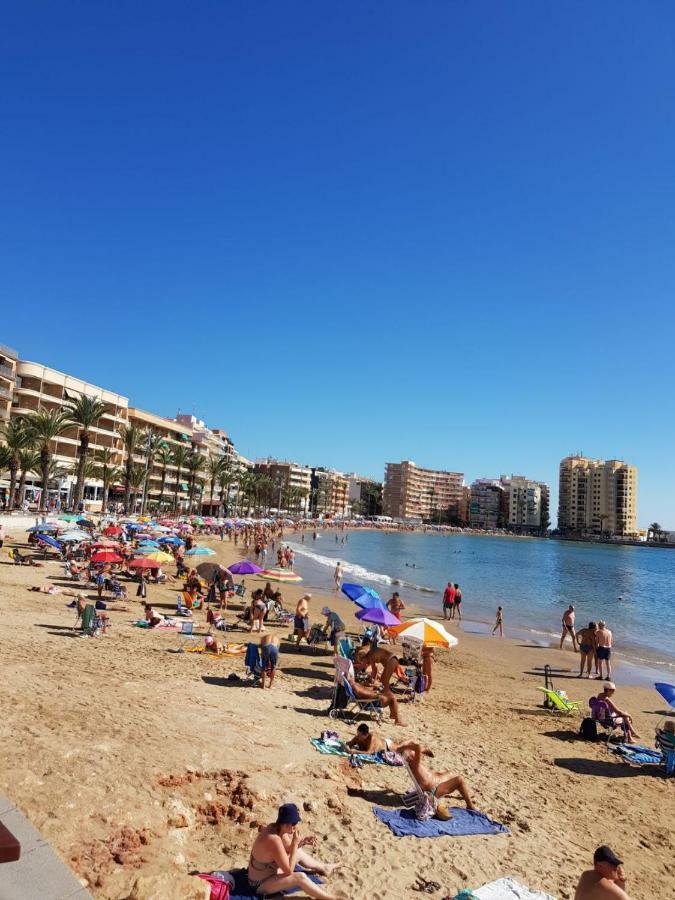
{"x": 594, "y": 644}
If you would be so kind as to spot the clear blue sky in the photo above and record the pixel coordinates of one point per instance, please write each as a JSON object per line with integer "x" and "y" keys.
{"x": 357, "y": 232}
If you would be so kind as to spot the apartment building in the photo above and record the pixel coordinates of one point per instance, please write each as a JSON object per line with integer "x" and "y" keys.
{"x": 8, "y": 365}
{"x": 293, "y": 483}
{"x": 329, "y": 495}
{"x": 411, "y": 492}
{"x": 364, "y": 495}
{"x": 39, "y": 387}
{"x": 487, "y": 508}
{"x": 526, "y": 504}
{"x": 172, "y": 435}
{"x": 597, "y": 497}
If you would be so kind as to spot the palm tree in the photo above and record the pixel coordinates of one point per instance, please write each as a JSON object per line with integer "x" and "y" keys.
{"x": 29, "y": 461}
{"x": 5, "y": 460}
{"x": 226, "y": 477}
{"x": 16, "y": 438}
{"x": 163, "y": 458}
{"x": 152, "y": 444}
{"x": 214, "y": 467}
{"x": 138, "y": 475}
{"x": 44, "y": 426}
{"x": 132, "y": 438}
{"x": 83, "y": 412}
{"x": 107, "y": 472}
{"x": 179, "y": 458}
{"x": 656, "y": 531}
{"x": 195, "y": 464}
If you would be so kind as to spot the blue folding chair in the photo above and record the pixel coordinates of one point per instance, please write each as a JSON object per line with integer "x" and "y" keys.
{"x": 186, "y": 635}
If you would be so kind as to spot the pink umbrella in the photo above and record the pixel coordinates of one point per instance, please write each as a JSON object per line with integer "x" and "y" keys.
{"x": 106, "y": 556}
{"x": 144, "y": 563}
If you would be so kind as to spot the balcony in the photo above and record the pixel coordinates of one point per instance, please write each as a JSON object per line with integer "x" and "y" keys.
{"x": 5, "y": 394}
{"x": 7, "y": 372}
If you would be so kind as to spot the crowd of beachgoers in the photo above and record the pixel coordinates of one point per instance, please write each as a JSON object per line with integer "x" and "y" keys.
{"x": 384, "y": 660}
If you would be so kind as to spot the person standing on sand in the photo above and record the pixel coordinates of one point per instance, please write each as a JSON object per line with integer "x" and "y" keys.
{"x": 457, "y": 605}
{"x": 499, "y": 622}
{"x": 605, "y": 881}
{"x": 269, "y": 653}
{"x": 337, "y": 575}
{"x": 568, "y": 627}
{"x": 603, "y": 648}
{"x": 586, "y": 640}
{"x": 448, "y": 600}
{"x": 428, "y": 667}
{"x": 301, "y": 620}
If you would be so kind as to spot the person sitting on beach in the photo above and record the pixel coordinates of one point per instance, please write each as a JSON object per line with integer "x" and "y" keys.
{"x": 152, "y": 616}
{"x": 301, "y": 619}
{"x": 370, "y": 655}
{"x": 605, "y": 881}
{"x": 614, "y": 715}
{"x": 268, "y": 591}
{"x": 568, "y": 627}
{"x": 438, "y": 784}
{"x": 665, "y": 736}
{"x": 386, "y": 698}
{"x": 586, "y": 640}
{"x": 277, "y": 850}
{"x": 269, "y": 654}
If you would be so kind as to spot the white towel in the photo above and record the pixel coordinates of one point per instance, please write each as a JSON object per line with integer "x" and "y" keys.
{"x": 509, "y": 889}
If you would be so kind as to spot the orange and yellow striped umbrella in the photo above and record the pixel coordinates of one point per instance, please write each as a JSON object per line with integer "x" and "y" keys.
{"x": 426, "y": 631}
{"x": 285, "y": 575}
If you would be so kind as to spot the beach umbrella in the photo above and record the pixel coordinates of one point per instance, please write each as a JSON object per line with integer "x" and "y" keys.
{"x": 112, "y": 530}
{"x": 46, "y": 539}
{"x": 426, "y": 631}
{"x": 69, "y": 517}
{"x": 201, "y": 551}
{"x": 380, "y": 615}
{"x": 86, "y": 522}
{"x": 667, "y": 691}
{"x": 148, "y": 545}
{"x": 173, "y": 540}
{"x": 284, "y": 575}
{"x": 245, "y": 567}
{"x": 106, "y": 556}
{"x": 42, "y": 528}
{"x": 75, "y": 536}
{"x": 159, "y": 556}
{"x": 142, "y": 562}
{"x": 364, "y": 597}
{"x": 105, "y": 545}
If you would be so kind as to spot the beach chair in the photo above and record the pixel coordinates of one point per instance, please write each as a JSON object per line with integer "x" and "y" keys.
{"x": 345, "y": 648}
{"x": 90, "y": 622}
{"x": 186, "y": 635}
{"x": 560, "y": 702}
{"x": 345, "y": 703}
{"x": 665, "y": 741}
{"x": 240, "y": 590}
{"x": 317, "y": 636}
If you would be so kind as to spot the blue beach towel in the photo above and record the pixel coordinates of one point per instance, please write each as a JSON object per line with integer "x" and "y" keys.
{"x": 636, "y": 754}
{"x": 252, "y": 658}
{"x": 464, "y": 821}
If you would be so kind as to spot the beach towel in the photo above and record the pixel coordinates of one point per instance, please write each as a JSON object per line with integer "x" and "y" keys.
{"x": 252, "y": 660}
{"x": 504, "y": 889}
{"x": 464, "y": 821}
{"x": 143, "y": 623}
{"x": 226, "y": 650}
{"x": 243, "y": 890}
{"x": 636, "y": 754}
{"x": 336, "y": 748}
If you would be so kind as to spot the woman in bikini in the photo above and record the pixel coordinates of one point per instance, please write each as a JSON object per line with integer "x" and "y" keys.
{"x": 275, "y": 853}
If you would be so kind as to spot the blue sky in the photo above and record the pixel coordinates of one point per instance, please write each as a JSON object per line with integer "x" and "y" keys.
{"x": 352, "y": 233}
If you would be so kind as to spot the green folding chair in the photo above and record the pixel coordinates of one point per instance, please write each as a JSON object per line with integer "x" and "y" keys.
{"x": 559, "y": 702}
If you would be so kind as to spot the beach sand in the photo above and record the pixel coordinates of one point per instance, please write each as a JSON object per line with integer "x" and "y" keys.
{"x": 135, "y": 761}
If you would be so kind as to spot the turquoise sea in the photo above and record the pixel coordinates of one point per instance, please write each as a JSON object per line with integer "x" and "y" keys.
{"x": 532, "y": 579}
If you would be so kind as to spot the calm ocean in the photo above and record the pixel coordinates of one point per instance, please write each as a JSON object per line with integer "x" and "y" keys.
{"x": 533, "y": 580}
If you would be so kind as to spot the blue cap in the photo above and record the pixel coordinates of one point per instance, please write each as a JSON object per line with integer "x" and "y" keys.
{"x": 288, "y": 814}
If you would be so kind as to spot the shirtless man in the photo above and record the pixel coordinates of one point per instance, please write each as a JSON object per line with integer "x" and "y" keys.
{"x": 269, "y": 652}
{"x": 368, "y": 655}
{"x": 364, "y": 741}
{"x": 586, "y": 639}
{"x": 605, "y": 881}
{"x": 436, "y": 783}
{"x": 603, "y": 647}
{"x": 337, "y": 575}
{"x": 386, "y": 698}
{"x": 568, "y": 627}
{"x": 301, "y": 620}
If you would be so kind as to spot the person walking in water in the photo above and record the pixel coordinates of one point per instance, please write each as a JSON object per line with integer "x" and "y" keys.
{"x": 499, "y": 622}
{"x": 568, "y": 627}
{"x": 448, "y": 600}
{"x": 337, "y": 576}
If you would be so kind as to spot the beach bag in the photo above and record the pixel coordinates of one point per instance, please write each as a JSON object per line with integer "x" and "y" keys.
{"x": 589, "y": 729}
{"x": 220, "y": 890}
{"x": 339, "y": 698}
{"x": 420, "y": 683}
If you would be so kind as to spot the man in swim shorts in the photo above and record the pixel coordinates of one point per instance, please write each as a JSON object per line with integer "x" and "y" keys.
{"x": 568, "y": 627}
{"x": 603, "y": 646}
{"x": 269, "y": 652}
{"x": 605, "y": 881}
{"x": 448, "y": 600}
{"x": 301, "y": 619}
{"x": 438, "y": 784}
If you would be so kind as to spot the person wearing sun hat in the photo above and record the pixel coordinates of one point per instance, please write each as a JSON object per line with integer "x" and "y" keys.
{"x": 277, "y": 851}
{"x": 606, "y": 880}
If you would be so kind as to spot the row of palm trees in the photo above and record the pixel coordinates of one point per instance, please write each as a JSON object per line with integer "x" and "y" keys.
{"x": 27, "y": 444}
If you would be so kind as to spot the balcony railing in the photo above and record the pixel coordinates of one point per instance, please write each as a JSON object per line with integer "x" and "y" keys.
{"x": 5, "y": 394}
{"x": 7, "y": 371}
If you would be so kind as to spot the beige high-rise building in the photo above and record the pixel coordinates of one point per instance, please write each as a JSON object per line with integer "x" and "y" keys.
{"x": 411, "y": 492}
{"x": 8, "y": 364}
{"x": 526, "y": 504}
{"x": 292, "y": 483}
{"x": 597, "y": 497}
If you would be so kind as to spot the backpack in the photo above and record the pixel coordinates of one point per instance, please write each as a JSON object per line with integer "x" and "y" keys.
{"x": 340, "y": 698}
{"x": 420, "y": 683}
{"x": 589, "y": 729}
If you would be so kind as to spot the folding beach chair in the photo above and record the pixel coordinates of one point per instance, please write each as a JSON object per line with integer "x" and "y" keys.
{"x": 186, "y": 635}
{"x": 345, "y": 703}
{"x": 91, "y": 624}
{"x": 559, "y": 702}
{"x": 665, "y": 741}
{"x": 345, "y": 648}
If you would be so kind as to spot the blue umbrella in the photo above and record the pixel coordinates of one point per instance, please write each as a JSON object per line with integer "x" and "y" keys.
{"x": 176, "y": 541}
{"x": 148, "y": 545}
{"x": 667, "y": 691}
{"x": 364, "y": 597}
{"x": 46, "y": 539}
{"x": 201, "y": 551}
{"x": 46, "y": 527}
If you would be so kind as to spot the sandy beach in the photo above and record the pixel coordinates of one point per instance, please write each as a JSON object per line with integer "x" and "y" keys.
{"x": 141, "y": 765}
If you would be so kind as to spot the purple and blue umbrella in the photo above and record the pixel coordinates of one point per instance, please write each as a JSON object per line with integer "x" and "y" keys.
{"x": 364, "y": 597}
{"x": 46, "y": 539}
{"x": 667, "y": 691}
{"x": 244, "y": 568}
{"x": 378, "y": 616}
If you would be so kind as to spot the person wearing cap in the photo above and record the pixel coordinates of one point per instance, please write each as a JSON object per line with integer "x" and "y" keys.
{"x": 618, "y": 716}
{"x": 276, "y": 852}
{"x": 334, "y": 626}
{"x": 605, "y": 881}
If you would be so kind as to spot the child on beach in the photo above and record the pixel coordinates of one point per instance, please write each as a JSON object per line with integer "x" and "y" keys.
{"x": 499, "y": 622}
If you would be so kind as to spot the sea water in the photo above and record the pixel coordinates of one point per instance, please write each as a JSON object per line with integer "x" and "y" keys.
{"x": 533, "y": 579}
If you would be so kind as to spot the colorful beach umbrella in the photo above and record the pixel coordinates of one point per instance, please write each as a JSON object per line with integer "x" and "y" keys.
{"x": 42, "y": 528}
{"x": 148, "y": 545}
{"x": 112, "y": 530}
{"x": 143, "y": 563}
{"x": 426, "y": 631}
{"x": 201, "y": 551}
{"x": 74, "y": 536}
{"x": 667, "y": 691}
{"x": 245, "y": 567}
{"x": 105, "y": 545}
{"x": 283, "y": 575}
{"x": 380, "y": 615}
{"x": 106, "y": 556}
{"x": 159, "y": 556}
{"x": 364, "y": 597}
{"x": 172, "y": 539}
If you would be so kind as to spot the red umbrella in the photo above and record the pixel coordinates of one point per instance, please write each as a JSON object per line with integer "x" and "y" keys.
{"x": 112, "y": 529}
{"x": 106, "y": 556}
{"x": 106, "y": 545}
{"x": 142, "y": 562}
